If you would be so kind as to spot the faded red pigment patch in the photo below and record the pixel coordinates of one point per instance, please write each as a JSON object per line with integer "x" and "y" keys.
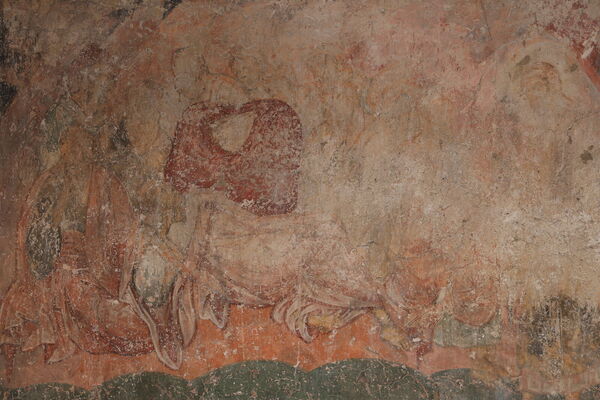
{"x": 262, "y": 176}
{"x": 581, "y": 30}
{"x": 591, "y": 66}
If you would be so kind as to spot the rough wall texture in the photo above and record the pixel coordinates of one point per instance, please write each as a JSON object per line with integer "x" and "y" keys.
{"x": 249, "y": 199}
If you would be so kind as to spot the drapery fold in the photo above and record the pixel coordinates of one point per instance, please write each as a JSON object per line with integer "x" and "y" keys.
{"x": 88, "y": 300}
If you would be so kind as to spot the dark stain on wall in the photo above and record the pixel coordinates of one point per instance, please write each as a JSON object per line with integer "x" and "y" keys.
{"x": 8, "y": 56}
{"x": 3, "y": 42}
{"x": 592, "y": 393}
{"x": 565, "y": 313}
{"x": 120, "y": 13}
{"x": 563, "y": 336}
{"x": 7, "y": 94}
{"x": 169, "y": 5}
{"x": 120, "y": 139}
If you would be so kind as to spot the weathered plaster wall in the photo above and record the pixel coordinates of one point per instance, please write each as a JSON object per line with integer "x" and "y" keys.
{"x": 187, "y": 185}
